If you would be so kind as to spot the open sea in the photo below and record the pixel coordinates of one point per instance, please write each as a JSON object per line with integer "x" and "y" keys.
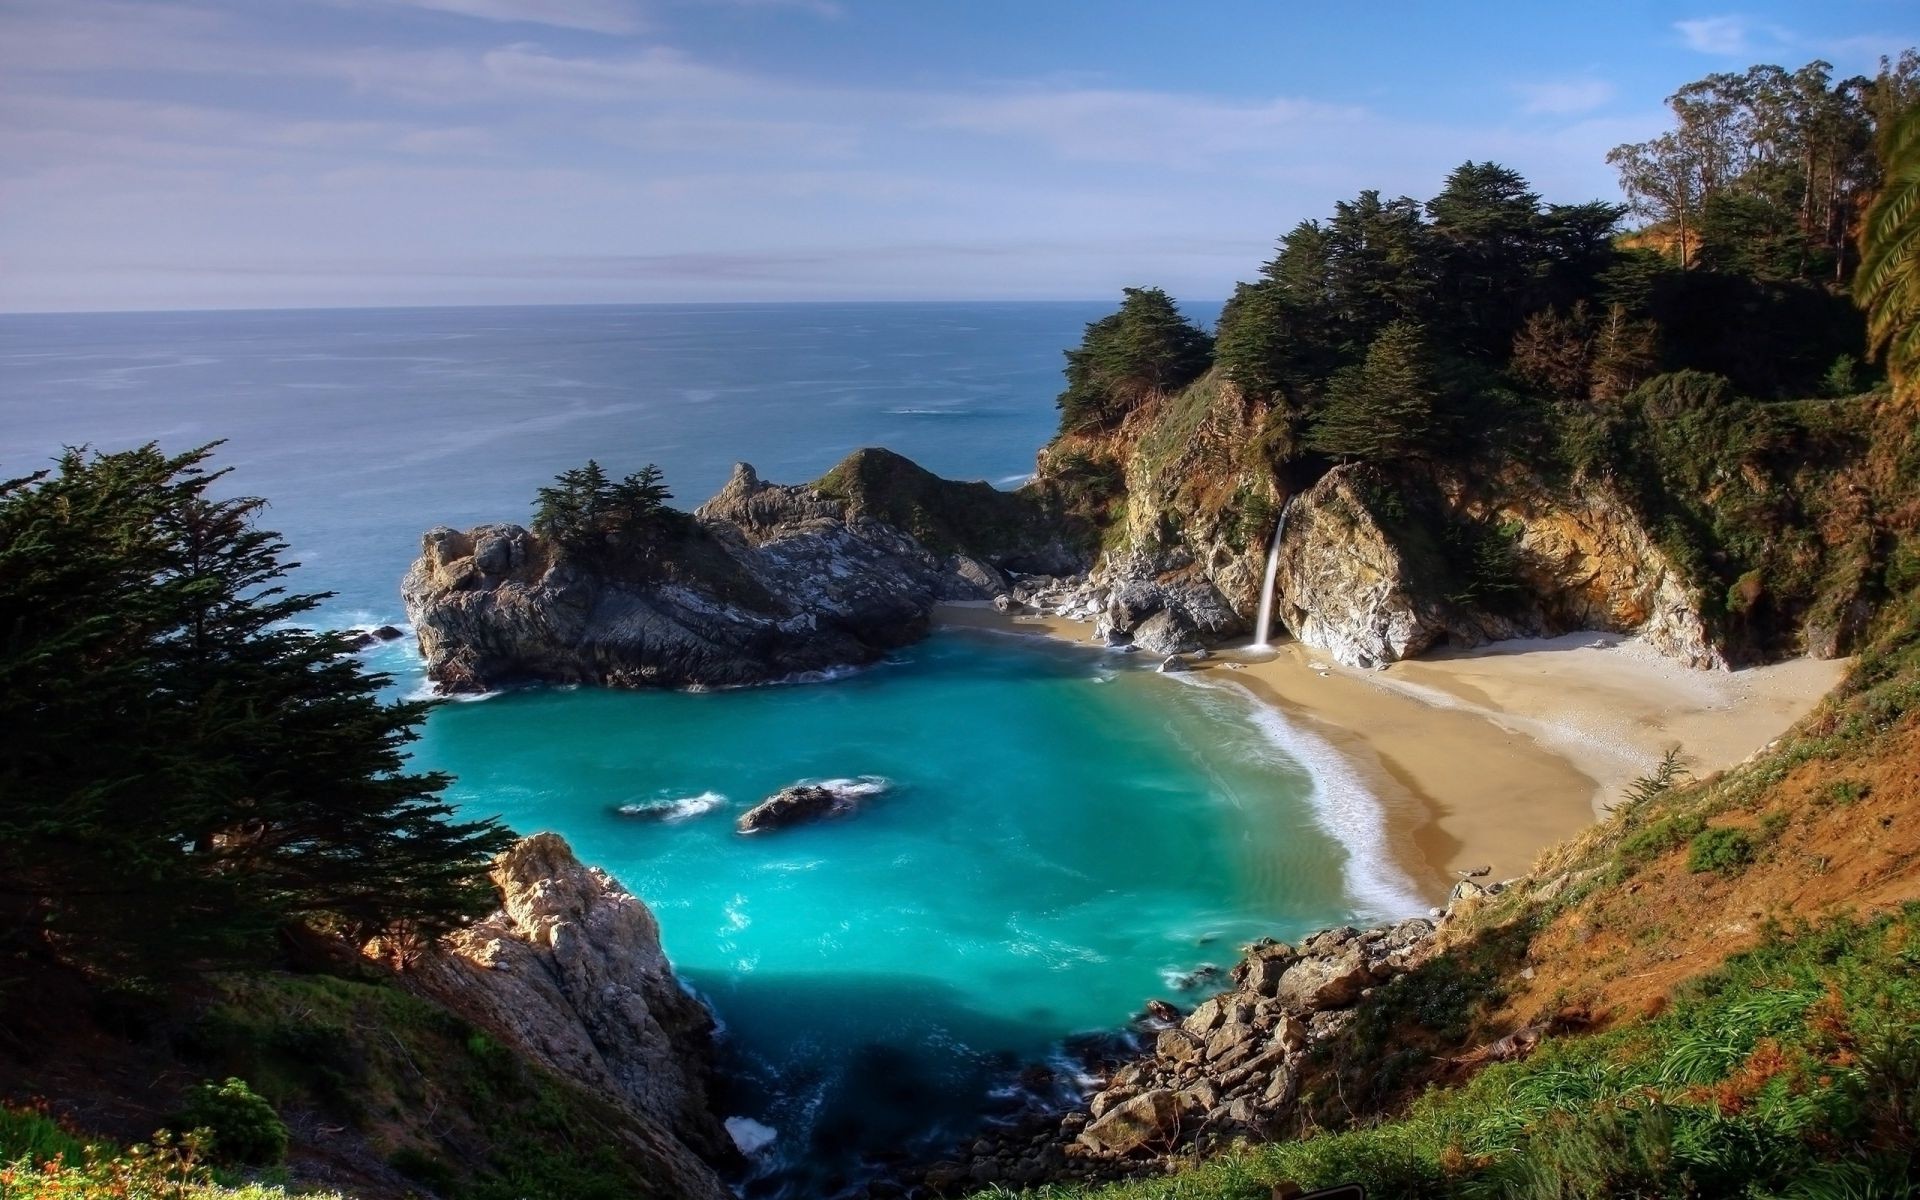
{"x": 1056, "y": 834}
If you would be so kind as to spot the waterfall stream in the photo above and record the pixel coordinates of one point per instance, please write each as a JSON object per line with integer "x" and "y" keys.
{"x": 1263, "y": 623}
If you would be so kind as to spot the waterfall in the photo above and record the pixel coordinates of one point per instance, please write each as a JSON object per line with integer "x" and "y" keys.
{"x": 1263, "y": 623}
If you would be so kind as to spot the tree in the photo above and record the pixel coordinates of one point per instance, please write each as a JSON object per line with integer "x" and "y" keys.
{"x": 1793, "y": 146}
{"x": 1384, "y": 407}
{"x": 1145, "y": 348}
{"x": 1888, "y": 283}
{"x": 1379, "y": 269}
{"x": 186, "y": 771}
{"x": 1491, "y": 252}
{"x": 573, "y": 509}
{"x": 638, "y": 500}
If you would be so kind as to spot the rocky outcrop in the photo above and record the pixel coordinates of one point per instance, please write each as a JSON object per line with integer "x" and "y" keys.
{"x": 569, "y": 973}
{"x": 804, "y": 802}
{"x": 1231, "y": 1069}
{"x": 1371, "y": 589}
{"x": 763, "y": 582}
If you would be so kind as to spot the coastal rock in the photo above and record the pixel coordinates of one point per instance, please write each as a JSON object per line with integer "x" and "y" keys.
{"x": 570, "y": 973}
{"x": 1233, "y": 1068}
{"x": 789, "y": 806}
{"x": 763, "y": 582}
{"x": 361, "y": 639}
{"x": 803, "y": 802}
{"x": 1371, "y": 589}
{"x": 1145, "y": 1120}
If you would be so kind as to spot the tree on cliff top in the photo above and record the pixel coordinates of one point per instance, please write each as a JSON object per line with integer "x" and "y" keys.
{"x": 584, "y": 508}
{"x": 1382, "y": 408}
{"x": 1145, "y": 347}
{"x": 186, "y": 772}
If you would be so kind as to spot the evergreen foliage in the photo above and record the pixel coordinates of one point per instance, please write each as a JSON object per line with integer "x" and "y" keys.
{"x": 584, "y": 510}
{"x": 1384, "y": 407}
{"x": 186, "y": 770}
{"x": 1144, "y": 348}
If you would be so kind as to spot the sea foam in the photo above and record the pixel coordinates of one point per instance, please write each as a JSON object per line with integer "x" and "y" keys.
{"x": 1341, "y": 801}
{"x": 680, "y": 808}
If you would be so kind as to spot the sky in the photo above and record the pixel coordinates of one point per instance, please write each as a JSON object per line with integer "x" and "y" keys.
{"x": 292, "y": 153}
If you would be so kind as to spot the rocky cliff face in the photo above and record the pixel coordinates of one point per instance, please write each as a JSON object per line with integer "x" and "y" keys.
{"x": 569, "y": 972}
{"x": 1367, "y": 586}
{"x": 765, "y": 582}
{"x": 1366, "y": 569}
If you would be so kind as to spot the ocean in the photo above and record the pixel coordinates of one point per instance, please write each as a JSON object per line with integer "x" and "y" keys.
{"x": 1055, "y": 834}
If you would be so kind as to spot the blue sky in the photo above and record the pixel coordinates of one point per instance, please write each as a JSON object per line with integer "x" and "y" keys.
{"x": 245, "y": 153}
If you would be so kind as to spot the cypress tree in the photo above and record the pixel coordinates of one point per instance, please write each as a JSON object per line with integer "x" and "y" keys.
{"x": 1384, "y": 407}
{"x": 186, "y": 771}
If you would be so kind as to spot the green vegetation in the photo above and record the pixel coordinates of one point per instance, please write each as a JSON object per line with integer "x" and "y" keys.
{"x": 1794, "y": 1070}
{"x": 188, "y": 772}
{"x": 1721, "y": 849}
{"x": 1764, "y": 172}
{"x": 1383, "y": 407}
{"x": 1145, "y": 348}
{"x": 584, "y": 511}
{"x": 444, "y": 1102}
{"x": 946, "y": 515}
{"x": 239, "y": 1127}
{"x": 1888, "y": 284}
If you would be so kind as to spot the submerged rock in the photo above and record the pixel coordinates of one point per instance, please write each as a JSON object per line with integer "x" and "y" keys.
{"x": 361, "y": 639}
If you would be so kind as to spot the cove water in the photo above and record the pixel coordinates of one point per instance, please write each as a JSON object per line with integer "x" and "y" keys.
{"x": 1054, "y": 835}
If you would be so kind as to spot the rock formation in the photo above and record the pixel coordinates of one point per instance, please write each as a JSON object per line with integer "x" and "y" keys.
{"x": 1370, "y": 590}
{"x": 764, "y": 582}
{"x": 1228, "y": 1070}
{"x": 804, "y": 802}
{"x": 569, "y": 972}
{"x": 1198, "y": 500}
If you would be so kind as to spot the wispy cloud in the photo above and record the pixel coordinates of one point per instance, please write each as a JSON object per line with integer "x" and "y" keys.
{"x": 591, "y": 16}
{"x": 1726, "y": 35}
{"x": 1563, "y": 97}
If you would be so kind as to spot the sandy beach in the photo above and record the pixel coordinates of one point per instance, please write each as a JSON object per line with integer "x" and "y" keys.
{"x": 1483, "y": 758}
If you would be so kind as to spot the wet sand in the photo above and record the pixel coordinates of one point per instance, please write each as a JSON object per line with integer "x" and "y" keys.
{"x": 1484, "y": 758}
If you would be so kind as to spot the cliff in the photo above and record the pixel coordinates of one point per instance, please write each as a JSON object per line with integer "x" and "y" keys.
{"x": 763, "y": 582}
{"x": 1373, "y": 567}
{"x": 1721, "y": 530}
{"x": 569, "y": 973}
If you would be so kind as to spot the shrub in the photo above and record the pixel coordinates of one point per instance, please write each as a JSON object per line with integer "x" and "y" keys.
{"x": 1658, "y": 838}
{"x": 1720, "y": 849}
{"x": 241, "y": 1126}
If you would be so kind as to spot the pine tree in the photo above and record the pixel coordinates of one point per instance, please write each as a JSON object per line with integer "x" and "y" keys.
{"x": 1144, "y": 348}
{"x": 573, "y": 511}
{"x": 638, "y": 501}
{"x": 1384, "y": 407}
{"x": 185, "y": 771}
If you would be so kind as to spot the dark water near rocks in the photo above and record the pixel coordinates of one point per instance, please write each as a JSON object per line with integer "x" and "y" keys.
{"x": 1061, "y": 834}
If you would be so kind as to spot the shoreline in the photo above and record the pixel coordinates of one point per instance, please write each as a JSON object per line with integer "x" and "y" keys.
{"x": 1486, "y": 757}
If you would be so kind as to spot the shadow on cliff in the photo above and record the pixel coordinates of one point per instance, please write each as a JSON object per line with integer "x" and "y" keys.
{"x": 854, "y": 1072}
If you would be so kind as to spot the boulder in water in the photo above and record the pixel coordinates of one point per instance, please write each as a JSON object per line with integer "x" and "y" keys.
{"x": 804, "y": 802}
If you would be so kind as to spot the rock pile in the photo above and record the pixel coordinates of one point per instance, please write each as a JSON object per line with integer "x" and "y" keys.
{"x": 1229, "y": 1069}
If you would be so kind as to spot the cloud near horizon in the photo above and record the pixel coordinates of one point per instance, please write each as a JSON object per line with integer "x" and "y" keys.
{"x": 197, "y": 154}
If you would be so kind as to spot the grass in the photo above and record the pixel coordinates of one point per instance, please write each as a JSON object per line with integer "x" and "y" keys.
{"x": 441, "y": 1100}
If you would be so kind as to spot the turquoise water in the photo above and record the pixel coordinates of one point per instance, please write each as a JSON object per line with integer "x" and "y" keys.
{"x": 1063, "y": 833}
